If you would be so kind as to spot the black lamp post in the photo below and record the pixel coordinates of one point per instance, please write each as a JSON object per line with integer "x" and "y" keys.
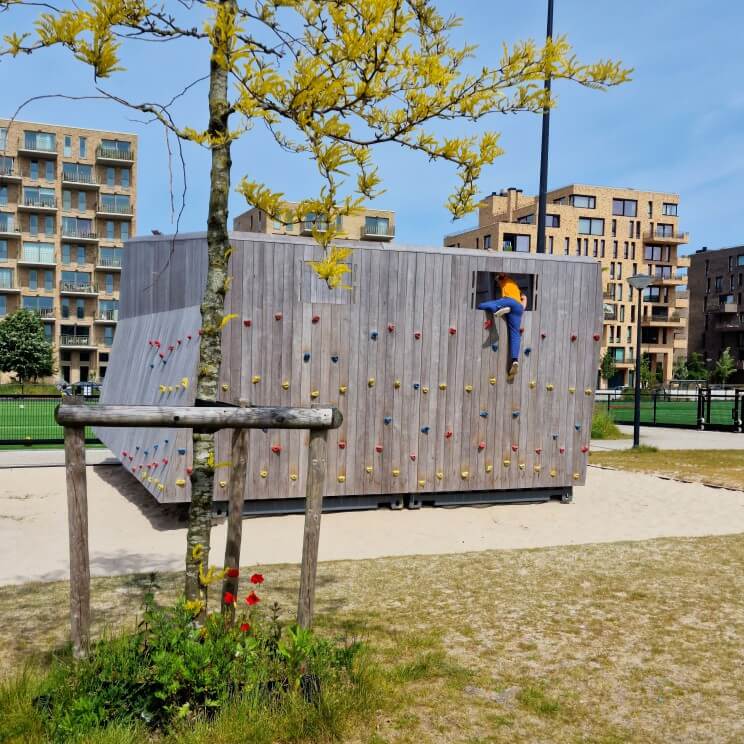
{"x": 639, "y": 282}
{"x": 543, "y": 194}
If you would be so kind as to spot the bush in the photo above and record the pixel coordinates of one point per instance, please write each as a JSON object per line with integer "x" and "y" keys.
{"x": 172, "y": 670}
{"x": 604, "y": 427}
{"x": 28, "y": 388}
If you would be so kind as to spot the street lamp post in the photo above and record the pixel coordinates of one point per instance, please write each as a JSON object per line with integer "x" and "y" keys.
{"x": 639, "y": 282}
{"x": 543, "y": 193}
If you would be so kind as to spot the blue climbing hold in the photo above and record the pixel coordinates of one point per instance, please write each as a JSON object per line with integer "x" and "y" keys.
{"x": 425, "y": 429}
{"x": 334, "y": 358}
{"x": 527, "y": 350}
{"x": 388, "y": 419}
{"x": 374, "y": 335}
{"x": 494, "y": 347}
{"x": 555, "y": 436}
{"x": 484, "y": 414}
{"x": 147, "y": 452}
{"x": 578, "y": 427}
{"x": 515, "y": 414}
{"x": 152, "y": 366}
{"x": 416, "y": 385}
{"x": 166, "y": 441}
{"x": 182, "y": 450}
{"x": 137, "y": 447}
{"x": 306, "y": 356}
{"x": 154, "y": 446}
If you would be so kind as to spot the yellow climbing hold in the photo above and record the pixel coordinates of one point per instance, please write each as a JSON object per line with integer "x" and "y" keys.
{"x": 256, "y": 379}
{"x": 342, "y": 389}
{"x": 225, "y": 386}
{"x": 440, "y": 475}
{"x": 468, "y": 388}
{"x": 161, "y": 487}
{"x": 422, "y": 483}
{"x": 285, "y": 385}
{"x": 464, "y": 474}
{"x": 341, "y": 478}
{"x": 442, "y": 385}
{"x": 180, "y": 482}
{"x": 368, "y": 468}
{"x": 185, "y": 383}
{"x": 507, "y": 463}
{"x": 533, "y": 384}
{"x": 572, "y": 390}
{"x": 537, "y": 468}
{"x": 553, "y": 473}
{"x": 314, "y": 393}
{"x": 162, "y": 388}
{"x": 264, "y": 473}
{"x": 293, "y": 476}
{"x": 396, "y": 384}
{"x": 170, "y": 388}
{"x": 396, "y": 472}
{"x": 550, "y": 387}
{"x": 588, "y": 391}
{"x": 424, "y": 390}
{"x": 491, "y": 380}
{"x": 576, "y": 476}
{"x": 521, "y": 466}
{"x": 489, "y": 468}
{"x": 223, "y": 483}
{"x": 371, "y": 382}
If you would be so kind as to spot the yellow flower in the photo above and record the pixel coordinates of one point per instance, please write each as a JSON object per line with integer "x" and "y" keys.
{"x": 332, "y": 269}
{"x": 197, "y": 551}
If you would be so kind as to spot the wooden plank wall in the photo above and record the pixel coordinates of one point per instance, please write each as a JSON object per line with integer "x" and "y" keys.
{"x": 403, "y": 355}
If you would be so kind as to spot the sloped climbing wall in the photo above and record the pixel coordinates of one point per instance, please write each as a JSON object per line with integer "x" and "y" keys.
{"x": 427, "y": 404}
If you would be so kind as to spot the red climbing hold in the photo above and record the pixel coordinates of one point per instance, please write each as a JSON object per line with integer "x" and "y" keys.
{"x": 413, "y": 457}
{"x": 481, "y": 445}
{"x": 391, "y": 327}
{"x": 201, "y": 331}
{"x": 189, "y": 471}
{"x": 278, "y": 316}
{"x": 447, "y": 434}
{"x": 573, "y": 337}
{"x": 452, "y": 331}
{"x": 417, "y": 334}
{"x": 161, "y": 355}
{"x": 179, "y": 342}
{"x": 316, "y": 318}
{"x": 247, "y": 322}
{"x": 156, "y": 343}
{"x": 561, "y": 450}
{"x": 487, "y": 323}
{"x": 188, "y": 337}
{"x": 596, "y": 337}
{"x": 342, "y": 444}
{"x": 543, "y": 334}
{"x": 124, "y": 454}
{"x": 521, "y": 331}
{"x": 538, "y": 450}
{"x": 276, "y": 448}
{"x": 171, "y": 347}
{"x": 378, "y": 448}
{"x": 585, "y": 449}
{"x": 165, "y": 461}
{"x": 515, "y": 447}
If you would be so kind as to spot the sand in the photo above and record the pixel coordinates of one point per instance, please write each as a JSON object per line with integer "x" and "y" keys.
{"x": 130, "y": 532}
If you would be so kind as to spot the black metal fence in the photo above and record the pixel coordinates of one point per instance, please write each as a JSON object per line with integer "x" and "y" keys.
{"x": 29, "y": 420}
{"x": 704, "y": 408}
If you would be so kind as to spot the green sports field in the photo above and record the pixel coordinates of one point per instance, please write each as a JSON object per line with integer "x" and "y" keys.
{"x": 679, "y": 413}
{"x": 31, "y": 420}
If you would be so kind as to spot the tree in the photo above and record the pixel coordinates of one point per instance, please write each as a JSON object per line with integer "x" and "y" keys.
{"x": 696, "y": 369}
{"x": 679, "y": 370}
{"x": 24, "y": 349}
{"x": 725, "y": 366}
{"x": 648, "y": 377}
{"x": 607, "y": 367}
{"x": 330, "y": 81}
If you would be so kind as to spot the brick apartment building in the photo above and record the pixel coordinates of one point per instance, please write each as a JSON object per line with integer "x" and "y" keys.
{"x": 629, "y": 232}
{"x": 67, "y": 204}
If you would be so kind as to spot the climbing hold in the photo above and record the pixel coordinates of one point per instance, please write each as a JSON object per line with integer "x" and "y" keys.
{"x": 576, "y": 476}
{"x": 447, "y": 434}
{"x": 315, "y": 318}
{"x": 306, "y": 356}
{"x": 165, "y": 460}
{"x": 188, "y": 338}
{"x": 422, "y": 483}
{"x": 515, "y": 447}
{"x": 442, "y": 385}
{"x": 391, "y": 327}
{"x": 550, "y": 387}
{"x": 468, "y": 388}
{"x": 585, "y": 449}
{"x": 342, "y": 444}
{"x": 264, "y": 473}
{"x": 247, "y": 323}
{"x": 452, "y": 331}
{"x": 577, "y": 427}
{"x": 417, "y": 334}
{"x": 341, "y": 478}
{"x": 555, "y": 436}
{"x": 489, "y": 468}
{"x": 278, "y": 316}
{"x": 185, "y": 383}
{"x": 396, "y": 472}
{"x": 483, "y": 414}
{"x": 152, "y": 366}
{"x": 538, "y": 450}
{"x": 464, "y": 474}
{"x": 521, "y": 466}
{"x": 494, "y": 347}
{"x": 515, "y": 414}
{"x": 396, "y": 384}
{"x": 371, "y": 382}
{"x": 533, "y": 384}
{"x": 543, "y": 334}
{"x": 171, "y": 347}
{"x": 342, "y": 389}
{"x": 276, "y": 448}
{"x": 378, "y": 448}
{"x": 181, "y": 482}
{"x": 368, "y": 469}
{"x": 491, "y": 380}
{"x": 373, "y": 335}
{"x": 562, "y": 450}
{"x": 588, "y": 391}
{"x": 334, "y": 358}
{"x": 189, "y": 471}
{"x": 537, "y": 468}
{"x": 293, "y": 476}
{"x": 416, "y": 385}
{"x": 171, "y": 388}
{"x": 387, "y": 420}
{"x": 440, "y": 475}
{"x": 424, "y": 390}
{"x": 161, "y": 487}
{"x": 256, "y": 379}
{"x": 553, "y": 473}
{"x": 527, "y": 350}
{"x": 481, "y": 445}
{"x": 285, "y": 384}
{"x": 596, "y": 337}
{"x": 124, "y": 453}
{"x": 162, "y": 388}
{"x": 572, "y": 390}
{"x": 413, "y": 457}
{"x": 314, "y": 394}
{"x": 573, "y": 337}
{"x": 223, "y": 483}
{"x": 487, "y": 323}
{"x": 225, "y": 386}
{"x": 154, "y": 446}
{"x": 425, "y": 429}
{"x": 182, "y": 450}
{"x": 507, "y": 462}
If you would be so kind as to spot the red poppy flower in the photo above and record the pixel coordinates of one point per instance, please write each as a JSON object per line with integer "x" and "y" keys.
{"x": 228, "y": 598}
{"x": 257, "y": 579}
{"x": 252, "y": 599}
{"x": 245, "y": 627}
{"x": 233, "y": 573}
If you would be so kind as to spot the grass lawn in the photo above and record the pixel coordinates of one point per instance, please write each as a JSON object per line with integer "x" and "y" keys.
{"x": 26, "y": 418}
{"x": 668, "y": 412}
{"x": 626, "y": 642}
{"x": 715, "y": 467}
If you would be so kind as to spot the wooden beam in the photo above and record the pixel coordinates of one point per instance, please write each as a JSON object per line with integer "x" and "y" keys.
{"x": 199, "y": 418}
{"x": 316, "y": 473}
{"x": 77, "y": 519}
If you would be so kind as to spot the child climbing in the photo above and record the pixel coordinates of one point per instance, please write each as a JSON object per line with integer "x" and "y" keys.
{"x": 511, "y": 304}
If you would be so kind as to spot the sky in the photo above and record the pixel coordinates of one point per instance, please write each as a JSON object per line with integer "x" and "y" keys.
{"x": 678, "y": 126}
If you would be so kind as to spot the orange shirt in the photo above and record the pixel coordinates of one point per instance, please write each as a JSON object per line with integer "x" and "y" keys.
{"x": 509, "y": 288}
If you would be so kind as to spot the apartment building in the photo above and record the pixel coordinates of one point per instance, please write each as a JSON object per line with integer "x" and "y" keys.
{"x": 367, "y": 224}
{"x": 629, "y": 232}
{"x": 716, "y": 307}
{"x": 67, "y": 204}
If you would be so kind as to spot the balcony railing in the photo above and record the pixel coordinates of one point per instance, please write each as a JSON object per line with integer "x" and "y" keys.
{"x": 666, "y": 235}
{"x": 8, "y": 171}
{"x": 307, "y": 226}
{"x": 7, "y": 282}
{"x": 78, "y": 234}
{"x": 88, "y": 179}
{"x": 125, "y": 210}
{"x": 66, "y": 340}
{"x": 36, "y": 256}
{"x": 114, "y": 153}
{"x": 8, "y": 226}
{"x": 110, "y": 262}
{"x": 44, "y": 202}
{"x": 79, "y": 287}
{"x": 32, "y": 145}
{"x": 42, "y": 312}
{"x": 378, "y": 230}
{"x": 112, "y": 315}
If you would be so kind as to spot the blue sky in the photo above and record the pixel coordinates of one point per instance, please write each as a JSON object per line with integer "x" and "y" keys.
{"x": 678, "y": 126}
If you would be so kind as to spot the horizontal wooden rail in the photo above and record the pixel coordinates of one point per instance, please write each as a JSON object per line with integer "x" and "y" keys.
{"x": 199, "y": 418}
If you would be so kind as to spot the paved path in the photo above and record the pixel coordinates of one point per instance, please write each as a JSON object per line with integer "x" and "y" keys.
{"x": 44, "y": 458}
{"x": 671, "y": 438}
{"x": 130, "y": 532}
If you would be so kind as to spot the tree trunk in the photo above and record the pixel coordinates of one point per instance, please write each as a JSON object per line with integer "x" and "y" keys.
{"x": 212, "y": 310}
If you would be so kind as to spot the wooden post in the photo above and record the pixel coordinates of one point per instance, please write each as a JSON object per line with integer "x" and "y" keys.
{"x": 313, "y": 509}
{"x": 77, "y": 519}
{"x": 236, "y": 496}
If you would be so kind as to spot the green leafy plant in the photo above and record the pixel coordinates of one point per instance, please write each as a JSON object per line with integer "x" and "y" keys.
{"x": 725, "y": 366}
{"x": 696, "y": 369}
{"x": 24, "y": 349}
{"x": 607, "y": 367}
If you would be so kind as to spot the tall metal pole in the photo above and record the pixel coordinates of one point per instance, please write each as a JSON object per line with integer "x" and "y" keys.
{"x": 637, "y": 414}
{"x": 543, "y": 195}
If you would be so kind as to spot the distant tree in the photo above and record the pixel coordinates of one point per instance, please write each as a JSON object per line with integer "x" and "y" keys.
{"x": 607, "y": 366}
{"x": 648, "y": 377}
{"x": 725, "y": 366}
{"x": 680, "y": 371}
{"x": 24, "y": 349}
{"x": 696, "y": 369}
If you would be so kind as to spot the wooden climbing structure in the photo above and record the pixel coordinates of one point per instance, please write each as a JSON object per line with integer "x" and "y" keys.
{"x": 429, "y": 412}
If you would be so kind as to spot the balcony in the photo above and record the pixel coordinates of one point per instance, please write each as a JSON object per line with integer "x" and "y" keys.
{"x": 31, "y": 257}
{"x": 378, "y": 232}
{"x": 110, "y": 210}
{"x": 81, "y": 235}
{"x": 658, "y": 319}
{"x": 9, "y": 174}
{"x": 8, "y": 285}
{"x": 627, "y": 361}
{"x": 80, "y": 180}
{"x": 108, "y": 263}
{"x": 77, "y": 288}
{"x": 665, "y": 236}
{"x": 107, "y": 316}
{"x": 8, "y": 229}
{"x": 724, "y": 307}
{"x": 38, "y": 204}
{"x": 45, "y": 313}
{"x": 36, "y": 149}
{"x": 730, "y": 325}
{"x": 307, "y": 226}
{"x": 113, "y": 155}
{"x": 77, "y": 342}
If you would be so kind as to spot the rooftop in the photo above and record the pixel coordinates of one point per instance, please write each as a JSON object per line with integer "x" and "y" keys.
{"x": 24, "y": 122}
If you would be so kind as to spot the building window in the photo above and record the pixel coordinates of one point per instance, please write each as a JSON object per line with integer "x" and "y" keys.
{"x": 632, "y": 251}
{"x": 527, "y": 219}
{"x": 487, "y": 242}
{"x": 109, "y": 283}
{"x": 566, "y": 246}
{"x": 80, "y": 255}
{"x": 66, "y": 253}
{"x": 49, "y": 173}
{"x": 595, "y": 251}
{"x": 6, "y": 279}
{"x": 33, "y": 279}
{"x": 124, "y": 176}
{"x": 119, "y": 204}
{"x": 583, "y": 202}
{"x": 630, "y": 229}
{"x": 625, "y": 207}
{"x": 124, "y": 230}
{"x": 48, "y": 280}
{"x": 68, "y": 146}
{"x": 83, "y": 142}
{"x": 602, "y": 248}
{"x": 550, "y": 247}
{"x": 669, "y": 210}
{"x": 652, "y": 253}
{"x": 578, "y": 246}
{"x": 111, "y": 176}
{"x": 110, "y": 229}
{"x": 719, "y": 283}
{"x": 552, "y": 220}
{"x": 108, "y": 335}
{"x": 625, "y": 250}
{"x": 614, "y": 228}
{"x": 650, "y": 211}
{"x": 4, "y": 250}
{"x": 49, "y": 225}
{"x": 82, "y": 201}
{"x": 3, "y": 306}
{"x": 33, "y": 224}
{"x": 518, "y": 243}
{"x": 66, "y": 200}
{"x": 3, "y": 196}
{"x": 591, "y": 226}
{"x": 33, "y": 170}
{"x": 3, "y": 138}
{"x": 614, "y": 248}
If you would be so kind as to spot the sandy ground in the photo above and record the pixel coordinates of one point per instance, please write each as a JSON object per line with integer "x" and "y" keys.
{"x": 130, "y": 532}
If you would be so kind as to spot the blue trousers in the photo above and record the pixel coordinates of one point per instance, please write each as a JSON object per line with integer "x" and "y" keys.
{"x": 513, "y": 320}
